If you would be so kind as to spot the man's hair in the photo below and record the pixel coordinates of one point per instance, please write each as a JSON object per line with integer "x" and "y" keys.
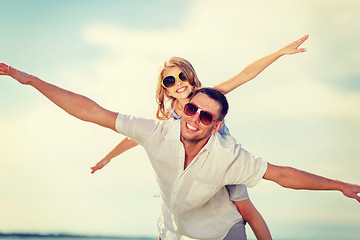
{"x": 217, "y": 96}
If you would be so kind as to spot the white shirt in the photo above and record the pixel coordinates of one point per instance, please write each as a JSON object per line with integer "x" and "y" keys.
{"x": 195, "y": 202}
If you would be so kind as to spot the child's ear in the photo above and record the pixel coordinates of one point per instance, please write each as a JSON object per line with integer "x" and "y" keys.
{"x": 217, "y": 127}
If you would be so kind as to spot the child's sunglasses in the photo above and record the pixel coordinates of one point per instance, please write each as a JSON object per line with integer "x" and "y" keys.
{"x": 169, "y": 81}
{"x": 206, "y": 118}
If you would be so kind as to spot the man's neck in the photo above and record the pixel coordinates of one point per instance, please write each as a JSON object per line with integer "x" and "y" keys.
{"x": 192, "y": 148}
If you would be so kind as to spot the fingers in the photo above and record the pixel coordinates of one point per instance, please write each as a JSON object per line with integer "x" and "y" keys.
{"x": 293, "y": 47}
{"x": 4, "y": 69}
{"x": 352, "y": 191}
{"x": 94, "y": 169}
{"x": 301, "y": 40}
{"x": 3, "y": 65}
{"x": 300, "y": 50}
{"x": 357, "y": 196}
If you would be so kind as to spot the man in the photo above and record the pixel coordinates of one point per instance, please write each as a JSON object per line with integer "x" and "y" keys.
{"x": 191, "y": 161}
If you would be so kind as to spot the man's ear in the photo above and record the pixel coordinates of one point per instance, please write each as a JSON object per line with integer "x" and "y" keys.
{"x": 217, "y": 127}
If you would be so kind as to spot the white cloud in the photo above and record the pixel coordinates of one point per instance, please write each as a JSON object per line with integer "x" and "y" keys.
{"x": 223, "y": 38}
{"x": 298, "y": 96}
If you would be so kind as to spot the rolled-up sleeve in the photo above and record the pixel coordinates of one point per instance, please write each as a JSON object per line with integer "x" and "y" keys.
{"x": 138, "y": 129}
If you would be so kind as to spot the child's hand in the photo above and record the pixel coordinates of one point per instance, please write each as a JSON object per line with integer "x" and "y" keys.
{"x": 100, "y": 165}
{"x": 293, "y": 47}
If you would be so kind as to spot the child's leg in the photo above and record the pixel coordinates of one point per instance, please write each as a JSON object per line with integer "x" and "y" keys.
{"x": 238, "y": 194}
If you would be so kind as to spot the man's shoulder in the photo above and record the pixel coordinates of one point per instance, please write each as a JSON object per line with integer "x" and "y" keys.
{"x": 170, "y": 128}
{"x": 225, "y": 144}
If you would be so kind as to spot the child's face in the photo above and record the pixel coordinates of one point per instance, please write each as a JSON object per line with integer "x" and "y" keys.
{"x": 181, "y": 89}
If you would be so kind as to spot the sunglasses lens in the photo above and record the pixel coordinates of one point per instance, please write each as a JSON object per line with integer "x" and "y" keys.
{"x": 206, "y": 118}
{"x": 182, "y": 77}
{"x": 190, "y": 109}
{"x": 169, "y": 81}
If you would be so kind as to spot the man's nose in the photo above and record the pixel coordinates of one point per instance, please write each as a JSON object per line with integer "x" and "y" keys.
{"x": 196, "y": 117}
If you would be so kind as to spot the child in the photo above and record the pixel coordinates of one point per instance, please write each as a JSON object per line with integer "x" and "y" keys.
{"x": 177, "y": 81}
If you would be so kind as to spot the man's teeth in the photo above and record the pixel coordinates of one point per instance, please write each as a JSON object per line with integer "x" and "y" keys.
{"x": 191, "y": 127}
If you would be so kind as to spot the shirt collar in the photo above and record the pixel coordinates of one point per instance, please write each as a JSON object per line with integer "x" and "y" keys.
{"x": 211, "y": 144}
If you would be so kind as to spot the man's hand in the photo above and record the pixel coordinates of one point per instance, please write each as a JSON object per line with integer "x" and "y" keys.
{"x": 351, "y": 191}
{"x": 18, "y": 75}
{"x": 4, "y": 69}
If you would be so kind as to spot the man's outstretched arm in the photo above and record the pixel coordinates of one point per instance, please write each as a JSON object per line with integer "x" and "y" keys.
{"x": 75, "y": 104}
{"x": 296, "y": 179}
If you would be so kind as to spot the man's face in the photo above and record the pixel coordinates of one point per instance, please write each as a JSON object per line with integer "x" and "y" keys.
{"x": 192, "y": 130}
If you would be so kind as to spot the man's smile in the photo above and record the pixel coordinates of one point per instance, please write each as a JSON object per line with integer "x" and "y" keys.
{"x": 191, "y": 127}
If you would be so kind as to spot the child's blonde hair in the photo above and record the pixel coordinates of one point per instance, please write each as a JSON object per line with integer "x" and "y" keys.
{"x": 187, "y": 69}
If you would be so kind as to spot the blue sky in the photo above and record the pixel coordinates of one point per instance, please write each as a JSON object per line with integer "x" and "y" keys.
{"x": 302, "y": 111}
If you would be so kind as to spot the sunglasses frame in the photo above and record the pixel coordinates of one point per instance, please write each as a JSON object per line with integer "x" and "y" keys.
{"x": 199, "y": 110}
{"x": 176, "y": 77}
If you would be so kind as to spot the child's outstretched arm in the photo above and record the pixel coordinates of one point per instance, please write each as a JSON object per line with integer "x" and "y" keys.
{"x": 123, "y": 146}
{"x": 252, "y": 70}
{"x": 254, "y": 218}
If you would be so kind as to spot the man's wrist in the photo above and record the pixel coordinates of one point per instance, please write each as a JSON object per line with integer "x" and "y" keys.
{"x": 340, "y": 186}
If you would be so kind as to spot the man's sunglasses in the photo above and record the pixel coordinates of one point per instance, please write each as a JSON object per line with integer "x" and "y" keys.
{"x": 206, "y": 118}
{"x": 169, "y": 81}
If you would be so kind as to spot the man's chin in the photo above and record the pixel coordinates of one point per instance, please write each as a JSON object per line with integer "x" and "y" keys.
{"x": 187, "y": 136}
{"x": 191, "y": 138}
